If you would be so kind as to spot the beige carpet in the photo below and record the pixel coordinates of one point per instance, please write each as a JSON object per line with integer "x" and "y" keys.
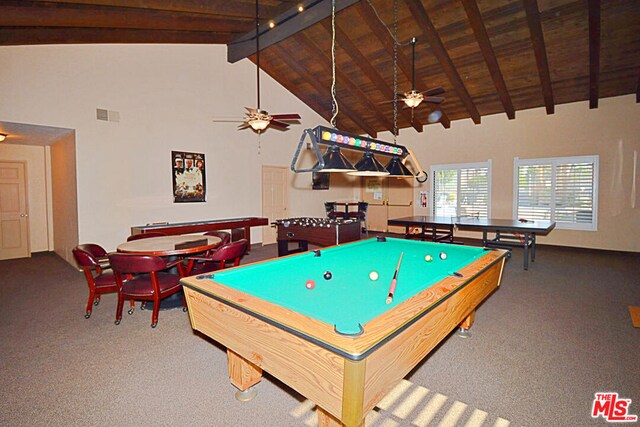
{"x": 542, "y": 345}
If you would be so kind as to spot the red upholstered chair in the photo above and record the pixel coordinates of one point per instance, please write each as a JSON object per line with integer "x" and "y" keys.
{"x": 330, "y": 208}
{"x": 150, "y": 282}
{"x": 93, "y": 260}
{"x": 361, "y": 215}
{"x": 223, "y": 235}
{"x": 224, "y": 256}
{"x": 146, "y": 235}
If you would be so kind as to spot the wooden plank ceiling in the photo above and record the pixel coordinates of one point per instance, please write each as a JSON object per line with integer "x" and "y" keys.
{"x": 490, "y": 56}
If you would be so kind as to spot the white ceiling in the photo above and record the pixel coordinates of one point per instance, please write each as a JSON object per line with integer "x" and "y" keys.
{"x": 26, "y": 134}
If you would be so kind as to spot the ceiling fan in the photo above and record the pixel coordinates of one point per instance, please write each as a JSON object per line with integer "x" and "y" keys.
{"x": 413, "y": 98}
{"x": 256, "y": 118}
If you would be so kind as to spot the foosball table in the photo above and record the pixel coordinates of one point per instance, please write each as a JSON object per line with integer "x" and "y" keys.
{"x": 319, "y": 231}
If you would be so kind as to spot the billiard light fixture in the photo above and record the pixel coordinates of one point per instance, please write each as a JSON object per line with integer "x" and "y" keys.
{"x": 334, "y": 161}
{"x": 396, "y": 168}
{"x": 369, "y": 166}
{"x": 3, "y": 136}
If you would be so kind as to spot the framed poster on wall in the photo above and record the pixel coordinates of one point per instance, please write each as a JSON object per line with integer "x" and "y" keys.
{"x": 189, "y": 178}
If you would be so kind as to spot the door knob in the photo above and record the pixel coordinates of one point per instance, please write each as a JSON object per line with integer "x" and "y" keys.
{"x": 24, "y": 215}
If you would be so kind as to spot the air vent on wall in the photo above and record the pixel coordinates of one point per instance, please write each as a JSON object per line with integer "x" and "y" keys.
{"x": 107, "y": 116}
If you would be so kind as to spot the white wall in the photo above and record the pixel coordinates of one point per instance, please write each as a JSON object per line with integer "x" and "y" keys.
{"x": 167, "y": 96}
{"x": 573, "y": 130}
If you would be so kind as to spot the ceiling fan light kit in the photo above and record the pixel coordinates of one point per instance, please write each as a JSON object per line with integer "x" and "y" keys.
{"x": 255, "y": 118}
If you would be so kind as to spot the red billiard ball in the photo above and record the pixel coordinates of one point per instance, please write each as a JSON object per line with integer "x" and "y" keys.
{"x": 310, "y": 284}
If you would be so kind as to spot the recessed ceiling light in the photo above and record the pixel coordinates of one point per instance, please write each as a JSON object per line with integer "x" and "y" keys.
{"x": 3, "y": 136}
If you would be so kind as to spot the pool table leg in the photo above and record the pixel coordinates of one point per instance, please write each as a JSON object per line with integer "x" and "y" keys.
{"x": 465, "y": 326}
{"x": 243, "y": 375}
{"x": 325, "y": 419}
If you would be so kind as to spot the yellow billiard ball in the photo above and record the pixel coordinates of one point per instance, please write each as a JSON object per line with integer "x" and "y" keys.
{"x": 373, "y": 275}
{"x": 428, "y": 258}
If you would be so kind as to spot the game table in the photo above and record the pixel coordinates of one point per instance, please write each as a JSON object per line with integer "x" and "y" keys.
{"x": 319, "y": 231}
{"x": 240, "y": 227}
{"x": 339, "y": 343}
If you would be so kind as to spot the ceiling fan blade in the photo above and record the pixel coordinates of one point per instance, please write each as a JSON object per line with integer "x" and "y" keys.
{"x": 279, "y": 125}
{"x": 434, "y": 99}
{"x": 388, "y": 102}
{"x": 292, "y": 116}
{"x": 228, "y": 119}
{"x": 433, "y": 92}
{"x": 244, "y": 126}
{"x": 251, "y": 110}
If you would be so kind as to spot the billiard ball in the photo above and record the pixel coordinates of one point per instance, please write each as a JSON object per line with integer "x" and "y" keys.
{"x": 327, "y": 275}
{"x": 443, "y": 255}
{"x": 310, "y": 284}
{"x": 428, "y": 258}
{"x": 373, "y": 275}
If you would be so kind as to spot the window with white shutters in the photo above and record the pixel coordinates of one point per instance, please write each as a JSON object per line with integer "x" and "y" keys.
{"x": 461, "y": 189}
{"x": 560, "y": 189}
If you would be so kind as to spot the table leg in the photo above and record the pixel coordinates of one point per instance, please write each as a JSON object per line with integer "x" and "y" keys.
{"x": 465, "y": 326}
{"x": 243, "y": 375}
{"x": 533, "y": 247}
{"x": 526, "y": 251}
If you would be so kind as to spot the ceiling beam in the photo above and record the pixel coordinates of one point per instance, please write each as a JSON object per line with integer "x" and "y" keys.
{"x": 37, "y": 14}
{"x": 321, "y": 107}
{"x": 380, "y": 31}
{"x": 232, "y": 9}
{"x": 477, "y": 24}
{"x": 638, "y": 89}
{"x": 430, "y": 32}
{"x": 540, "y": 51}
{"x": 350, "y": 86}
{"x": 46, "y": 35}
{"x": 594, "y": 52}
{"x": 287, "y": 24}
{"x": 369, "y": 70}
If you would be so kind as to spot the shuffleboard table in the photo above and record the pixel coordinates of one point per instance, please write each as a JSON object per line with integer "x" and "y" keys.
{"x": 240, "y": 227}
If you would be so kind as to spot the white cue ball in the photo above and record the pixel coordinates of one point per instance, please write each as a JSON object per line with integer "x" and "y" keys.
{"x": 428, "y": 258}
{"x": 373, "y": 275}
{"x": 443, "y": 255}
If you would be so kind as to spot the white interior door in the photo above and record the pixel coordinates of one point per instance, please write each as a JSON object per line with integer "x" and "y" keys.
{"x": 387, "y": 198}
{"x": 275, "y": 198}
{"x": 14, "y": 218}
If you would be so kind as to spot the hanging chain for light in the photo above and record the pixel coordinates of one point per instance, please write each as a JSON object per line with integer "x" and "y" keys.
{"x": 334, "y": 101}
{"x": 395, "y": 69}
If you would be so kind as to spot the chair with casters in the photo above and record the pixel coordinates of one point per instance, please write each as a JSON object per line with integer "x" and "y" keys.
{"x": 361, "y": 215}
{"x": 147, "y": 281}
{"x": 223, "y": 235}
{"x": 93, "y": 260}
{"x": 224, "y": 256}
{"x": 146, "y": 235}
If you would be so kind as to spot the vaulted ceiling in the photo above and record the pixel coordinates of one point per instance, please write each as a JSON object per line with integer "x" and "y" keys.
{"x": 490, "y": 56}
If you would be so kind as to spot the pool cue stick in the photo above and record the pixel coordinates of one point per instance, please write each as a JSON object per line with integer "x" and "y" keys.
{"x": 392, "y": 287}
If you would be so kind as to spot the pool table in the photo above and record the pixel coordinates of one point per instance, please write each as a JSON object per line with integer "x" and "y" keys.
{"x": 339, "y": 343}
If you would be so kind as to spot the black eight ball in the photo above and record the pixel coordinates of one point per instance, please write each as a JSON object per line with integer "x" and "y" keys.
{"x": 327, "y": 275}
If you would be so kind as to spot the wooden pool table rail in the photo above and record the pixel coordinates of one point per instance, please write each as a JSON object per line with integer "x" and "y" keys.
{"x": 345, "y": 376}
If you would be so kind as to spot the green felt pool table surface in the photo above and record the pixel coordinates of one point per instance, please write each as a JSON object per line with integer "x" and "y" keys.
{"x": 269, "y": 321}
{"x": 350, "y": 298}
